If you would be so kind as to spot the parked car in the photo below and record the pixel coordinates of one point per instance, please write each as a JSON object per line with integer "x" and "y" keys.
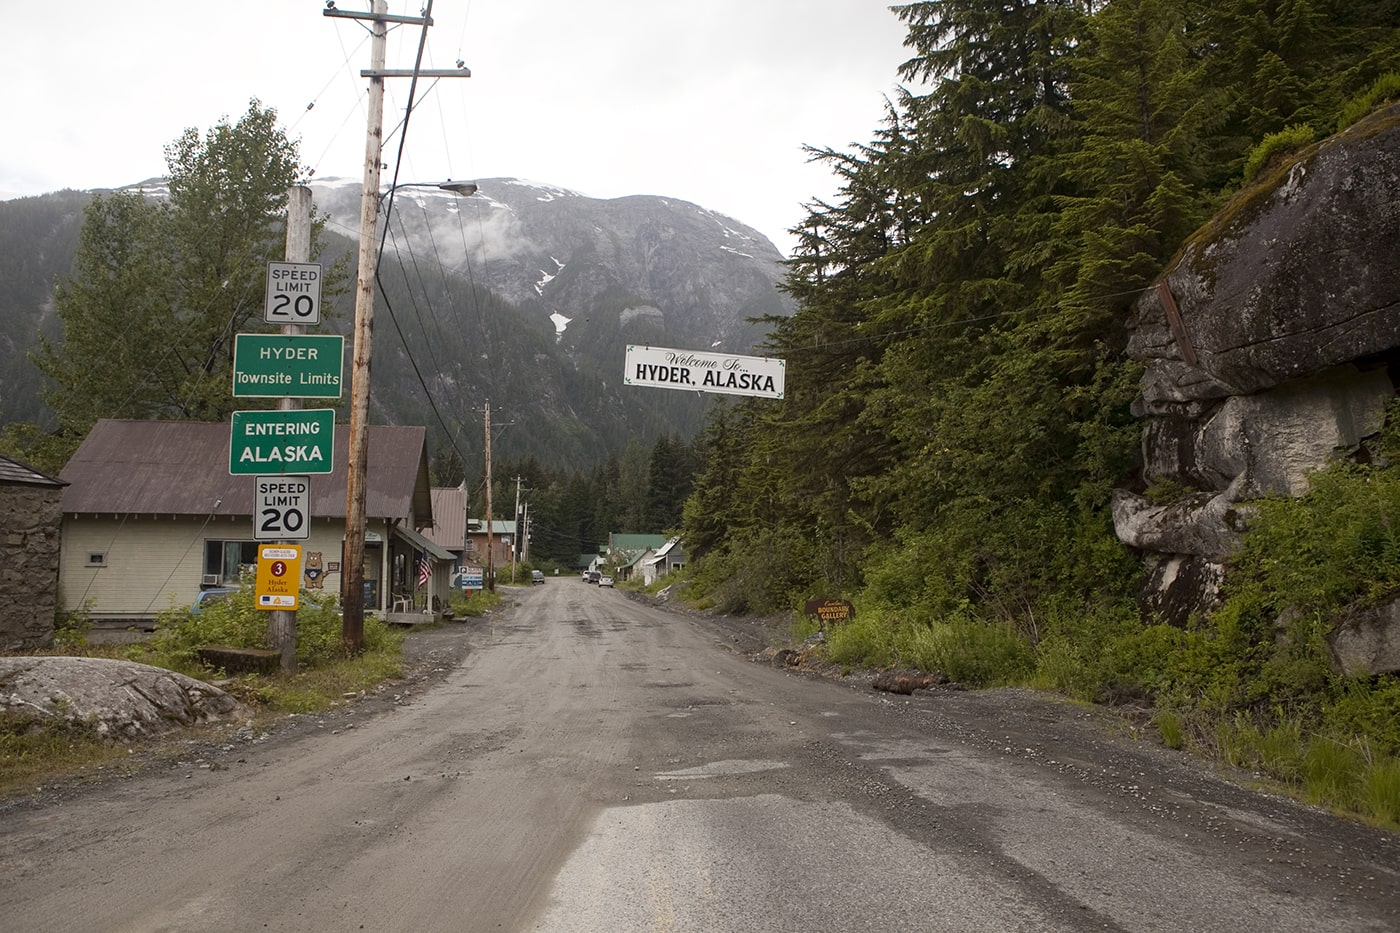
{"x": 213, "y": 594}
{"x": 536, "y": 576}
{"x": 605, "y": 581}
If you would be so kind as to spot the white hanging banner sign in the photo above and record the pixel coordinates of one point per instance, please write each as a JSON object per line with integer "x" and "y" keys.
{"x": 696, "y": 371}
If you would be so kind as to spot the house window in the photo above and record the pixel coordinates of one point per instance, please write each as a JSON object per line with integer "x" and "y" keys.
{"x": 97, "y": 559}
{"x": 227, "y": 559}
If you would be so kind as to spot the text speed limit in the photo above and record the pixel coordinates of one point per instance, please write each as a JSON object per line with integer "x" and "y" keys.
{"x": 282, "y": 508}
{"x": 293, "y": 293}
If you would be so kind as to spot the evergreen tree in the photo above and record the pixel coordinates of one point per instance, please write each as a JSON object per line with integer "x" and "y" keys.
{"x": 161, "y": 287}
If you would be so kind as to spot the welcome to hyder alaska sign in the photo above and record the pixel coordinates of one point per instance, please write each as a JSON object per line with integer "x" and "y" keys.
{"x": 695, "y": 371}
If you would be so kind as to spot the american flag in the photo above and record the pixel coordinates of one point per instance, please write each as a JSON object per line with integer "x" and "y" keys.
{"x": 425, "y": 570}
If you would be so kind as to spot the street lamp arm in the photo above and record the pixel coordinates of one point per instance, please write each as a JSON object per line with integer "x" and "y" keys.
{"x": 463, "y": 189}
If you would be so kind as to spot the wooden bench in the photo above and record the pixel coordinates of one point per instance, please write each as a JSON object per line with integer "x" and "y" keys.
{"x": 241, "y": 660}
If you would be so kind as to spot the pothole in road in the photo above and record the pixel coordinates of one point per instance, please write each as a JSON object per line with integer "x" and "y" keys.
{"x": 693, "y": 702}
{"x": 722, "y": 769}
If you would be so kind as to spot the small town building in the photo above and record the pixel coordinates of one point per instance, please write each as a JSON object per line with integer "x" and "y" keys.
{"x": 657, "y": 564}
{"x": 625, "y": 552}
{"x": 151, "y": 515}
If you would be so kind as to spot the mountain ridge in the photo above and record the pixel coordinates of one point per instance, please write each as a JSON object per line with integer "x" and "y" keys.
{"x": 525, "y": 294}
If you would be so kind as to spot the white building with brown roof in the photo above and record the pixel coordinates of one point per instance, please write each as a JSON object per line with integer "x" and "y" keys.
{"x": 151, "y": 514}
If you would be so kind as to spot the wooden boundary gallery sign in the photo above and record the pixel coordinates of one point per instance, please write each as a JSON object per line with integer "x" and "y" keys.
{"x": 695, "y": 371}
{"x": 830, "y": 610}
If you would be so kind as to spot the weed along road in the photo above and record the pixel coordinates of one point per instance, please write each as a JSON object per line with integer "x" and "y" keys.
{"x": 592, "y": 764}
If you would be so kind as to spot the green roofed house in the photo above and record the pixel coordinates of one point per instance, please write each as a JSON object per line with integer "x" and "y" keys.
{"x": 626, "y": 551}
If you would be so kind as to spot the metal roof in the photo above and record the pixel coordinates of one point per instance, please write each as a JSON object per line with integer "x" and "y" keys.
{"x": 449, "y": 517}
{"x": 181, "y": 468}
{"x": 15, "y": 473}
{"x": 423, "y": 544}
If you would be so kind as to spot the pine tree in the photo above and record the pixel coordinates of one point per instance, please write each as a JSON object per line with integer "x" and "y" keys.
{"x": 160, "y": 287}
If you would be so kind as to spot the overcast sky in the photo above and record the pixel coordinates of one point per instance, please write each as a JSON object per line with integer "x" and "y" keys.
{"x": 709, "y": 102}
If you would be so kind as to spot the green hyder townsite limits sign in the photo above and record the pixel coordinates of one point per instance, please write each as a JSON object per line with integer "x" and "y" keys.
{"x": 287, "y": 365}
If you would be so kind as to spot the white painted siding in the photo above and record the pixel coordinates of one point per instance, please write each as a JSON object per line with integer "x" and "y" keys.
{"x": 153, "y": 563}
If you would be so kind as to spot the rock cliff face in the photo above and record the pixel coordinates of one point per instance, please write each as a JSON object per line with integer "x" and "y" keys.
{"x": 1271, "y": 348}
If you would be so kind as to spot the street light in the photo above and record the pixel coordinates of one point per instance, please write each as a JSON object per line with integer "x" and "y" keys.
{"x": 462, "y": 188}
{"x": 356, "y": 468}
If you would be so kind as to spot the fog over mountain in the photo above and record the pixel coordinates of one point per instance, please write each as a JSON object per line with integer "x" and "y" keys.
{"x": 524, "y": 294}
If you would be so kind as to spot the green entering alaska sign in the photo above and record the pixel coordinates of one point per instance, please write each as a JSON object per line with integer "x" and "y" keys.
{"x": 282, "y": 441}
{"x": 287, "y": 365}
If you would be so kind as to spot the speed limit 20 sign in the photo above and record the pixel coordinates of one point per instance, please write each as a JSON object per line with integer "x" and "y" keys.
{"x": 282, "y": 508}
{"x": 293, "y": 293}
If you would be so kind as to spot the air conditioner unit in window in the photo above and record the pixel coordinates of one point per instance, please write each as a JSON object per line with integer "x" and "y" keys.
{"x": 210, "y": 579}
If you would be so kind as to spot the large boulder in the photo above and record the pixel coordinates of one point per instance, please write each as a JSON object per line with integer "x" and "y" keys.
{"x": 1296, "y": 275}
{"x": 1268, "y": 351}
{"x": 1266, "y": 443}
{"x": 119, "y": 698}
{"x": 1368, "y": 641}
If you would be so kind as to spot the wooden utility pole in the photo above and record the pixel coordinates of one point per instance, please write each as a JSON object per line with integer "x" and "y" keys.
{"x": 352, "y": 595}
{"x": 282, "y": 623}
{"x": 490, "y": 535}
{"x": 515, "y": 539}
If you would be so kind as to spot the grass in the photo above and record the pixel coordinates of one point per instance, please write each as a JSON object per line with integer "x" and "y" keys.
{"x": 1171, "y": 728}
{"x": 35, "y": 751}
{"x": 477, "y": 604}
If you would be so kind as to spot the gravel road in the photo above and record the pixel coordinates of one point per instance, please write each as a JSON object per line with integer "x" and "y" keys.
{"x": 585, "y": 762}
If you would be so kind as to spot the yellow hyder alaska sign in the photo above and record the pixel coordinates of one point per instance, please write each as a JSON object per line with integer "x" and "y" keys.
{"x": 278, "y": 582}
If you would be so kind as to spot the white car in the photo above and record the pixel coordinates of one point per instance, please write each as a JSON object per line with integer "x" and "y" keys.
{"x": 605, "y": 581}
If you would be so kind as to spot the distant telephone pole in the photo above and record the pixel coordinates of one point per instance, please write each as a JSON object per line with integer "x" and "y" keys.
{"x": 490, "y": 534}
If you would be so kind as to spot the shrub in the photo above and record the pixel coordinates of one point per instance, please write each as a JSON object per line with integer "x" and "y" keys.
{"x": 71, "y": 628}
{"x": 1386, "y": 88}
{"x": 237, "y": 622}
{"x": 971, "y": 651}
{"x": 1276, "y": 146}
{"x": 867, "y": 640}
{"x": 1380, "y": 791}
{"x": 1331, "y": 773}
{"x": 477, "y": 604}
{"x": 759, "y": 572}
